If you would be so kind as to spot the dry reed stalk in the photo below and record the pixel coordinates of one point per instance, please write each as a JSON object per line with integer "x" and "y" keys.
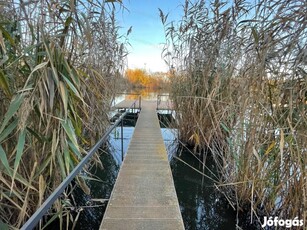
{"x": 240, "y": 90}
{"x": 57, "y": 63}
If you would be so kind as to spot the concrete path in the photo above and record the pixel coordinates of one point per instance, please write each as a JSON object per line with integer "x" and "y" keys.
{"x": 144, "y": 195}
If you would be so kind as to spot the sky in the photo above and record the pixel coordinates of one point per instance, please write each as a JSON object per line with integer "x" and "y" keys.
{"x": 147, "y": 36}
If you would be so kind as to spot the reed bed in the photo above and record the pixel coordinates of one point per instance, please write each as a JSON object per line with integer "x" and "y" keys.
{"x": 240, "y": 89}
{"x": 58, "y": 62}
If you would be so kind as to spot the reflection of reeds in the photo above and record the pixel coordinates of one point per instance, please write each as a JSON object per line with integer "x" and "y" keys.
{"x": 240, "y": 90}
{"x": 56, "y": 61}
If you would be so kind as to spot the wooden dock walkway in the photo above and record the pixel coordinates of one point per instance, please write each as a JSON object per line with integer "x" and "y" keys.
{"x": 144, "y": 195}
{"x": 125, "y": 104}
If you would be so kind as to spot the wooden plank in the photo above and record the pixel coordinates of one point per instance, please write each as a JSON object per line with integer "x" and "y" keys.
{"x": 144, "y": 195}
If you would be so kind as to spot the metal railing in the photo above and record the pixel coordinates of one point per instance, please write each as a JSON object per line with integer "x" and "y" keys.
{"x": 36, "y": 217}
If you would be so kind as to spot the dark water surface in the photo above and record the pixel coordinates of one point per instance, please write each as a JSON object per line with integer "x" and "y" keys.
{"x": 202, "y": 207}
{"x": 111, "y": 160}
{"x": 91, "y": 207}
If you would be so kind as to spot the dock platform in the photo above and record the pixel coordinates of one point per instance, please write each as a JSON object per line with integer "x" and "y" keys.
{"x": 161, "y": 105}
{"x": 144, "y": 195}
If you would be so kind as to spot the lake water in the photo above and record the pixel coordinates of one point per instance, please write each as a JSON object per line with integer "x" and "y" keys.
{"x": 202, "y": 207}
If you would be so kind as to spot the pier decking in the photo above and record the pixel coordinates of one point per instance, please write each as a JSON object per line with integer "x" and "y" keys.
{"x": 144, "y": 195}
{"x": 125, "y": 104}
{"x": 166, "y": 105}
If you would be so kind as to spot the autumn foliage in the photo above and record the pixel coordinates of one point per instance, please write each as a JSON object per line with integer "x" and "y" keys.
{"x": 141, "y": 79}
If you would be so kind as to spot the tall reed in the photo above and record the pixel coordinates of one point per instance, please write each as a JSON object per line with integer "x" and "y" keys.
{"x": 240, "y": 88}
{"x": 57, "y": 61}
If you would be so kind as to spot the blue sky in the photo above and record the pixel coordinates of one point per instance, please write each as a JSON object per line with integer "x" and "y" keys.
{"x": 147, "y": 34}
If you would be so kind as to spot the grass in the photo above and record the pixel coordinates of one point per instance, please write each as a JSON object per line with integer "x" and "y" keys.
{"x": 240, "y": 87}
{"x": 58, "y": 62}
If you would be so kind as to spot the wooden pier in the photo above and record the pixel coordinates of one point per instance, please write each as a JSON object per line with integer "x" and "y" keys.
{"x": 144, "y": 195}
{"x": 162, "y": 105}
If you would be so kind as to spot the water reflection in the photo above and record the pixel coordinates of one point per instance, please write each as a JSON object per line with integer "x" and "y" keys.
{"x": 202, "y": 207}
{"x": 95, "y": 203}
{"x": 115, "y": 142}
{"x": 91, "y": 215}
{"x": 170, "y": 142}
{"x": 146, "y": 94}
